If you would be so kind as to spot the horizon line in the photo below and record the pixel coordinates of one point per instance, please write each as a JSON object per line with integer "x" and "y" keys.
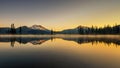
{"x": 64, "y": 29}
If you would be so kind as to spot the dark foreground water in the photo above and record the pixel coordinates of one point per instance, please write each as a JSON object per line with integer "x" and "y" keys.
{"x": 60, "y": 52}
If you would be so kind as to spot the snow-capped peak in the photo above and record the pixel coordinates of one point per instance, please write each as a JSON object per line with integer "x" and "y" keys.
{"x": 38, "y": 27}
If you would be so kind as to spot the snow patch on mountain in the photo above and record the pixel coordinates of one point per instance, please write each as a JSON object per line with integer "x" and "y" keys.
{"x": 38, "y": 27}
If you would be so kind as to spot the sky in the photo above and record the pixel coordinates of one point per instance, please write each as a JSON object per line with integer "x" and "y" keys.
{"x": 59, "y": 14}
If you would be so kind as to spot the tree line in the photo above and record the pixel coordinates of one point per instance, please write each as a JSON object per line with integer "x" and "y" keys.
{"x": 101, "y": 30}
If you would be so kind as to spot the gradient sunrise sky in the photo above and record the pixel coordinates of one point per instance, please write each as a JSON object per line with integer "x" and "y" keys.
{"x": 59, "y": 14}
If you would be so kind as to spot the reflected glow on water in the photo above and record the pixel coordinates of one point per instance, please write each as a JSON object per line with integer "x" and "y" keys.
{"x": 59, "y": 52}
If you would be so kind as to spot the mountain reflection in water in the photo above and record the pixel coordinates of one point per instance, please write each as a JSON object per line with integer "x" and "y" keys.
{"x": 60, "y": 51}
{"x": 79, "y": 40}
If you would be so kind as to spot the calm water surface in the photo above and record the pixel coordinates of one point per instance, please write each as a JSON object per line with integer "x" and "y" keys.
{"x": 60, "y": 52}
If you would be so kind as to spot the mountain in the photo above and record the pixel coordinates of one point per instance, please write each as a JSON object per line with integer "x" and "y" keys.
{"x": 74, "y": 30}
{"x": 35, "y": 29}
{"x": 69, "y": 31}
{"x": 38, "y": 27}
{"x": 4, "y": 30}
{"x": 24, "y": 30}
{"x": 93, "y": 30}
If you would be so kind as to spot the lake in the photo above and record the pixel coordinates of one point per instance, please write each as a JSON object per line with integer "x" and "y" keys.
{"x": 59, "y": 51}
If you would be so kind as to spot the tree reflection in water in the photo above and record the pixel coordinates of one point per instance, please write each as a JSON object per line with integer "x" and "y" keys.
{"x": 80, "y": 40}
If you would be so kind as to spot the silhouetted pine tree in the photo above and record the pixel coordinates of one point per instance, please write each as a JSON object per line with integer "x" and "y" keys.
{"x": 52, "y": 32}
{"x": 13, "y": 30}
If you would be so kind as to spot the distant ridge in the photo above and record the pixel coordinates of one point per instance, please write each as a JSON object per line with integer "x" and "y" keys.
{"x": 39, "y": 29}
{"x": 93, "y": 30}
{"x": 35, "y": 29}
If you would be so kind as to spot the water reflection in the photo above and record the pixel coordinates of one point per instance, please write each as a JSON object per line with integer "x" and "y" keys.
{"x": 59, "y": 52}
{"x": 79, "y": 40}
{"x": 94, "y": 40}
{"x": 21, "y": 40}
